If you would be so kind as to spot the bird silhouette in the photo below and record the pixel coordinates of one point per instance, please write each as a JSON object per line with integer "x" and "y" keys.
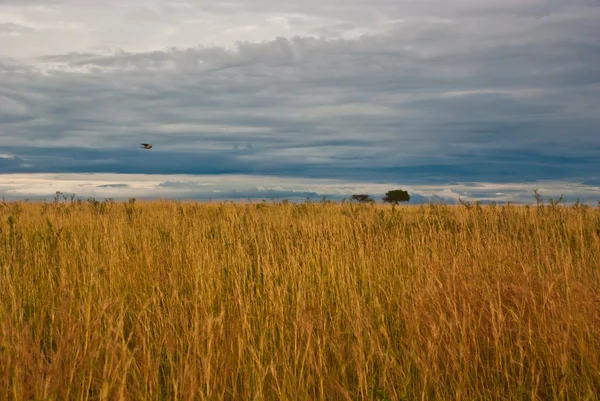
{"x": 146, "y": 145}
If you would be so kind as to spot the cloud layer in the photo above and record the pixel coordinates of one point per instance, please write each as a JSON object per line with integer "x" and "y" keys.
{"x": 241, "y": 187}
{"x": 418, "y": 92}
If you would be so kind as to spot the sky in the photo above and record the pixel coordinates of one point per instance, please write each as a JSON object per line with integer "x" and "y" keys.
{"x": 473, "y": 99}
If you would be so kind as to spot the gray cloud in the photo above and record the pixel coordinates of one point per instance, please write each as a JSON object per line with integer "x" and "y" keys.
{"x": 380, "y": 90}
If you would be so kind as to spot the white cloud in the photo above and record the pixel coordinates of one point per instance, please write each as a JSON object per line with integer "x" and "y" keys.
{"x": 45, "y": 27}
{"x": 80, "y": 26}
{"x": 123, "y": 186}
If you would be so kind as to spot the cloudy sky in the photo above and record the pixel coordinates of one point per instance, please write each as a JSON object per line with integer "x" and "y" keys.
{"x": 480, "y": 99}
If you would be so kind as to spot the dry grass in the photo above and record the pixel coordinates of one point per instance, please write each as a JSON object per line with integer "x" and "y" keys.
{"x": 173, "y": 300}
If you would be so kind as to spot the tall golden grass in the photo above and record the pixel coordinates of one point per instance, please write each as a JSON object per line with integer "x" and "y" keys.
{"x": 183, "y": 301}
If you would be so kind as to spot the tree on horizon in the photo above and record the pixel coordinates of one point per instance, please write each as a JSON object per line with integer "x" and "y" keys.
{"x": 396, "y": 196}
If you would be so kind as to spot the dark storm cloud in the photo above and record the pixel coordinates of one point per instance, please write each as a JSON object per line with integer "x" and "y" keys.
{"x": 493, "y": 166}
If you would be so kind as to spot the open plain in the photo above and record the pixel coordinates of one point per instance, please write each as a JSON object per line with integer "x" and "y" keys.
{"x": 315, "y": 301}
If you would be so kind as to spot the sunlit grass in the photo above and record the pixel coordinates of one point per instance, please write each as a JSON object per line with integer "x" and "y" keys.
{"x": 173, "y": 300}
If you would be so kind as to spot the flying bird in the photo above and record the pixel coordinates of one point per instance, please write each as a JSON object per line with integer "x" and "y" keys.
{"x": 146, "y": 145}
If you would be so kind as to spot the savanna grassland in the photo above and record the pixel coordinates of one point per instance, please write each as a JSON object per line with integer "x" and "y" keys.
{"x": 183, "y": 301}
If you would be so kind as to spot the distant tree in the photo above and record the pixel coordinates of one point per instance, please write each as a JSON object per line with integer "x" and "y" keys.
{"x": 539, "y": 199}
{"x": 362, "y": 198}
{"x": 396, "y": 196}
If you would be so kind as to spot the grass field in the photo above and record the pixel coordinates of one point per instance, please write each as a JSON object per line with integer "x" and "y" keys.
{"x": 173, "y": 300}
